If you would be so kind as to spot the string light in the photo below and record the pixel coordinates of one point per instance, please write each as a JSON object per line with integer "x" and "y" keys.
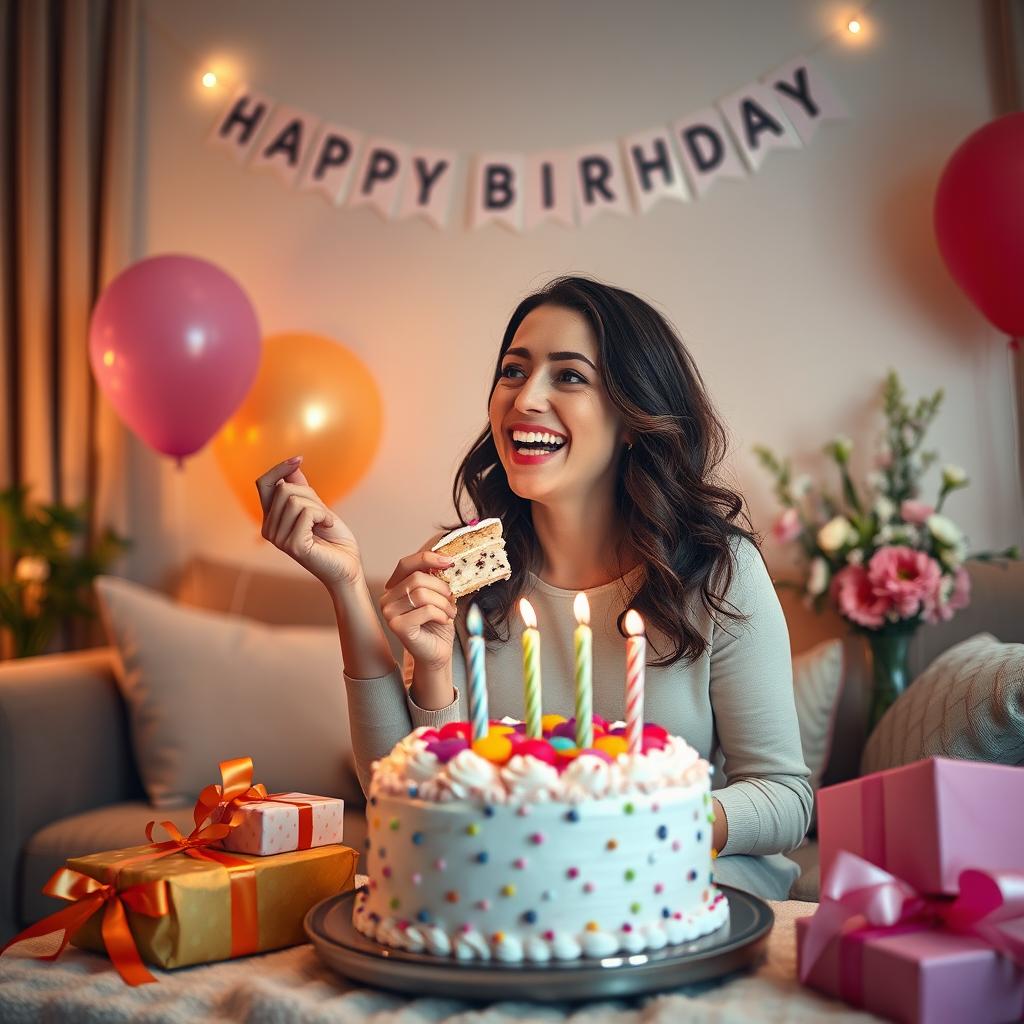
{"x": 209, "y": 79}
{"x": 854, "y": 25}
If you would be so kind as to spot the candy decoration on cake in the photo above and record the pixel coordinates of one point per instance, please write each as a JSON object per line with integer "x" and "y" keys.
{"x": 558, "y": 850}
{"x": 531, "y": 669}
{"x": 583, "y": 644}
{"x": 636, "y": 653}
{"x": 477, "y": 673}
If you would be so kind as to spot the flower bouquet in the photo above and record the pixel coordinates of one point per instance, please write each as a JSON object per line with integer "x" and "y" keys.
{"x": 887, "y": 559}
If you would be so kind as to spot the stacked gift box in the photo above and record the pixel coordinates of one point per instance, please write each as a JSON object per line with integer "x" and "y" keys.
{"x": 922, "y": 897}
{"x": 240, "y": 882}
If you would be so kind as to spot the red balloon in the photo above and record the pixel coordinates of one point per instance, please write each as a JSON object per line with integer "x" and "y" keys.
{"x": 979, "y": 220}
{"x": 174, "y": 344}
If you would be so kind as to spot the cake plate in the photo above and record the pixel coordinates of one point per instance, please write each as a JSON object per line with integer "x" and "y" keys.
{"x": 735, "y": 945}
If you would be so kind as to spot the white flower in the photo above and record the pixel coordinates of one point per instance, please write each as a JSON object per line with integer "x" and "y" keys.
{"x": 800, "y": 485}
{"x": 835, "y": 534}
{"x": 31, "y": 569}
{"x": 953, "y": 476}
{"x": 817, "y": 581}
{"x": 855, "y": 557}
{"x": 952, "y": 557}
{"x": 875, "y": 480}
{"x": 944, "y": 530}
{"x": 884, "y": 508}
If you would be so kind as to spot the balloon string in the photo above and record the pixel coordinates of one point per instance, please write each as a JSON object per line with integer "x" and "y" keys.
{"x": 179, "y": 515}
{"x": 1016, "y": 376}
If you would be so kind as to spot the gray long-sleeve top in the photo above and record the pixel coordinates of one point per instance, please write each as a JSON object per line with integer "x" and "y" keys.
{"x": 738, "y": 696}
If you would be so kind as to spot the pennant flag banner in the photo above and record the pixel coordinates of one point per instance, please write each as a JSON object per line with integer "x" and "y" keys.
{"x": 678, "y": 162}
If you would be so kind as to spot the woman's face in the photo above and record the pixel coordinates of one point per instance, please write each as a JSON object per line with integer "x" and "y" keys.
{"x": 549, "y": 384}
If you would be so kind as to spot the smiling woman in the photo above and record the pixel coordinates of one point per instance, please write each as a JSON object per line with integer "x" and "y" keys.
{"x": 601, "y": 458}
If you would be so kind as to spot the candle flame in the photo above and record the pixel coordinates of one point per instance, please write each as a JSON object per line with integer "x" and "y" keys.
{"x": 475, "y": 621}
{"x": 581, "y": 609}
{"x": 634, "y": 624}
{"x": 528, "y": 614}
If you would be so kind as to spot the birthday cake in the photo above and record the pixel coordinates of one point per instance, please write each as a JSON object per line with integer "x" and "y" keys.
{"x": 517, "y": 849}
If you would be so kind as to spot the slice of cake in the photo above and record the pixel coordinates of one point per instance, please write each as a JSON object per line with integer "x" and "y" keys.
{"x": 479, "y": 553}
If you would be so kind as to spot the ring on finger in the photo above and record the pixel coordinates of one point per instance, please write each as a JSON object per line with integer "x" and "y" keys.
{"x": 411, "y": 601}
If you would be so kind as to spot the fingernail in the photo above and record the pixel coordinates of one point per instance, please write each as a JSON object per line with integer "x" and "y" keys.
{"x": 294, "y": 458}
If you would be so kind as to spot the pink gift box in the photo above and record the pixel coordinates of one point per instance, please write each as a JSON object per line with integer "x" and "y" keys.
{"x": 288, "y": 821}
{"x": 916, "y": 975}
{"x": 927, "y": 821}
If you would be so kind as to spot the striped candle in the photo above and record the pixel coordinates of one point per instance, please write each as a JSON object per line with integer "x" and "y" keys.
{"x": 584, "y": 645}
{"x": 477, "y": 673}
{"x": 531, "y": 670}
{"x": 636, "y": 657}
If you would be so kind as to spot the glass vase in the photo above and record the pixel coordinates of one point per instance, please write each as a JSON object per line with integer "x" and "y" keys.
{"x": 890, "y": 669}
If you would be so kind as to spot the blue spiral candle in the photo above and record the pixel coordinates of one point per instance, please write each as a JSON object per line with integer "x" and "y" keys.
{"x": 477, "y": 674}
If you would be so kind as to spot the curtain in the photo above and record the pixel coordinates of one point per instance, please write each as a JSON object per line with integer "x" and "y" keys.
{"x": 1004, "y": 23}
{"x": 66, "y": 134}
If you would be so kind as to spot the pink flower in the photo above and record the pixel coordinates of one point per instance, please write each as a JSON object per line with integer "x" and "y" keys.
{"x": 787, "y": 527}
{"x": 908, "y": 578}
{"x": 916, "y": 512}
{"x": 949, "y": 599}
{"x": 857, "y": 598}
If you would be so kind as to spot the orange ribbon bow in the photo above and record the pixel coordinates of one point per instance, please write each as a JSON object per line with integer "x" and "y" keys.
{"x": 87, "y": 896}
{"x": 237, "y": 789}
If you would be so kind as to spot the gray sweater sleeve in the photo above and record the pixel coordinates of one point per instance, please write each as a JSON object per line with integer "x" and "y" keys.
{"x": 767, "y": 799}
{"x": 381, "y": 712}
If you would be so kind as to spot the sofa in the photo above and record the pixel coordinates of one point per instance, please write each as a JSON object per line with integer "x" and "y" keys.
{"x": 69, "y": 784}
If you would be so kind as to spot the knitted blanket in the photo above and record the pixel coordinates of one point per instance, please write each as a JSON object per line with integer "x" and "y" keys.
{"x": 293, "y": 985}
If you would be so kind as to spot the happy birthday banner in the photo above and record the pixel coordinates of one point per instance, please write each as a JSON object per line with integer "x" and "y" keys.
{"x": 679, "y": 162}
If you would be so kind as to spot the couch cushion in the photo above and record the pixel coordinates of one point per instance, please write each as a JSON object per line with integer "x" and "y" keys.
{"x": 203, "y": 686}
{"x": 969, "y": 703}
{"x": 112, "y": 828}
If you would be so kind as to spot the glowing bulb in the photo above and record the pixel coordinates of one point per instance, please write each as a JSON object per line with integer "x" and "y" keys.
{"x": 854, "y": 26}
{"x": 108, "y": 358}
{"x": 209, "y": 79}
{"x": 314, "y": 416}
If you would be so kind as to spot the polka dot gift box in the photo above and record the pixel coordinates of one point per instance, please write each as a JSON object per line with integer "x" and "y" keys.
{"x": 284, "y": 822}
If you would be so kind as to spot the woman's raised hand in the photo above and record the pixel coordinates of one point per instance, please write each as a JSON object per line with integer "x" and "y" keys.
{"x": 420, "y": 610}
{"x": 302, "y": 526}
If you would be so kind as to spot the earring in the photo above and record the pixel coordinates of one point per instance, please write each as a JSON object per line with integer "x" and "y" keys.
{"x": 629, "y": 446}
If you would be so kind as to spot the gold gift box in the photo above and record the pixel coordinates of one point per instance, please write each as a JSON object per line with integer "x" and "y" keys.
{"x": 198, "y": 928}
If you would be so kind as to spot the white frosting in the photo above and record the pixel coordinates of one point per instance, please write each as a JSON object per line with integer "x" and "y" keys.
{"x": 521, "y": 862}
{"x": 463, "y": 530}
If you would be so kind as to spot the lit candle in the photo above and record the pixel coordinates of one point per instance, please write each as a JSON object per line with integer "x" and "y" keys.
{"x": 477, "y": 673}
{"x": 636, "y": 654}
{"x": 531, "y": 670}
{"x": 583, "y": 642}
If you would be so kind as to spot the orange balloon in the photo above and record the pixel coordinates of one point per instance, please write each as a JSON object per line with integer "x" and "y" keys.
{"x": 312, "y": 397}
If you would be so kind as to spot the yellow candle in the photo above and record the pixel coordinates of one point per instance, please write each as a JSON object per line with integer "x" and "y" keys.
{"x": 531, "y": 670}
{"x": 583, "y": 643}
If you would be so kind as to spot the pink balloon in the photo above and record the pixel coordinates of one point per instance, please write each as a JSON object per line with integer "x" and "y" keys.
{"x": 174, "y": 344}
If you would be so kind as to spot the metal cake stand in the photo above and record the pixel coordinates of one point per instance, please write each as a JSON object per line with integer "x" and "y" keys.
{"x": 736, "y": 945}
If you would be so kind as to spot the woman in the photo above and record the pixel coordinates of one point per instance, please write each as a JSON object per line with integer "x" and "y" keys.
{"x": 600, "y": 459}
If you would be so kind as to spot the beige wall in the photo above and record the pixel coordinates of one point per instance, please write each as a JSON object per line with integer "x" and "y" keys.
{"x": 796, "y": 288}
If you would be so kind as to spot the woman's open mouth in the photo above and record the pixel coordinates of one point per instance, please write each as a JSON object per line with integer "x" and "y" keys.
{"x": 531, "y": 448}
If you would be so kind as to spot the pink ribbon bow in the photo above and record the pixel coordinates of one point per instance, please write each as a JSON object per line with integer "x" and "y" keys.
{"x": 990, "y": 906}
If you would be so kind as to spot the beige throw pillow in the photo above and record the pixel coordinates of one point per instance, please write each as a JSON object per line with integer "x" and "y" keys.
{"x": 202, "y": 686}
{"x": 968, "y": 703}
{"x": 817, "y": 683}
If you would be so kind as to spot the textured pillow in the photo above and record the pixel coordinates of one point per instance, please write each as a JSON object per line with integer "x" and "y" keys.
{"x": 817, "y": 682}
{"x": 968, "y": 703}
{"x": 202, "y": 686}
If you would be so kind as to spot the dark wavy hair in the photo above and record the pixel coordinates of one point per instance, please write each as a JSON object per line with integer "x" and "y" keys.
{"x": 678, "y": 518}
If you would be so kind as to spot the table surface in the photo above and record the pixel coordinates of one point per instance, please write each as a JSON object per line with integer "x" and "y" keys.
{"x": 294, "y": 985}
